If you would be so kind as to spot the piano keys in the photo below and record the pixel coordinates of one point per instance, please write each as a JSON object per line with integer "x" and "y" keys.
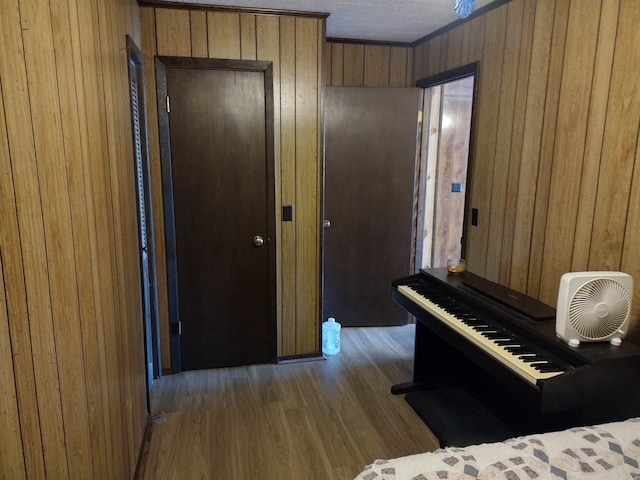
{"x": 474, "y": 333}
{"x": 509, "y": 348}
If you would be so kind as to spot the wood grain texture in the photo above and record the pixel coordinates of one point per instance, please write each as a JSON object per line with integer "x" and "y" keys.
{"x": 595, "y": 130}
{"x": 370, "y": 65}
{"x": 501, "y": 171}
{"x": 308, "y": 181}
{"x": 568, "y": 157}
{"x": 618, "y": 148}
{"x": 295, "y": 45}
{"x": 377, "y": 60}
{"x": 564, "y": 153}
{"x": 223, "y": 34}
{"x": 312, "y": 420}
{"x": 77, "y": 368}
{"x": 519, "y": 123}
{"x": 288, "y": 182}
{"x": 542, "y": 207}
{"x": 490, "y": 88}
{"x": 248, "y": 37}
{"x": 198, "y": 24}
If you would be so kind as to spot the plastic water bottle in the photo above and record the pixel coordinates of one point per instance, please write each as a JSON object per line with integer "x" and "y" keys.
{"x": 330, "y": 337}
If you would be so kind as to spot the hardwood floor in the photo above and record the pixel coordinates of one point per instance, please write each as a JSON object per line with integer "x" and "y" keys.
{"x": 322, "y": 419}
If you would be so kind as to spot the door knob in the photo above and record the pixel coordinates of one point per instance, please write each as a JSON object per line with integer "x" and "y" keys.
{"x": 258, "y": 241}
{"x": 326, "y": 224}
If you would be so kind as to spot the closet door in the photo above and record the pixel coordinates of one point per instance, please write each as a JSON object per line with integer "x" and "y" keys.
{"x": 219, "y": 211}
{"x": 371, "y": 137}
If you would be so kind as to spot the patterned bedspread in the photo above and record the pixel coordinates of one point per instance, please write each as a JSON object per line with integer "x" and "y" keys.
{"x": 602, "y": 452}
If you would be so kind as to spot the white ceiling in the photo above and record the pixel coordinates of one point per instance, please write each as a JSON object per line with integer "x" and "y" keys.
{"x": 376, "y": 20}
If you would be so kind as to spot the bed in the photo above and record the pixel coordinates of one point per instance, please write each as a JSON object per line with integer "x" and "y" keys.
{"x": 609, "y": 451}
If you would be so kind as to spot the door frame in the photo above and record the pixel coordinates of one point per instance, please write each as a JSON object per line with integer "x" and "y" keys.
{"x": 471, "y": 69}
{"x": 162, "y": 63}
{"x": 151, "y": 312}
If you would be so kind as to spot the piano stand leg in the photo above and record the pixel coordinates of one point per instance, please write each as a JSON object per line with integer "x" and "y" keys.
{"x": 457, "y": 418}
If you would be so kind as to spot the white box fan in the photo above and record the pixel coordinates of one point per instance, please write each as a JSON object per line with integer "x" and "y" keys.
{"x": 593, "y": 307}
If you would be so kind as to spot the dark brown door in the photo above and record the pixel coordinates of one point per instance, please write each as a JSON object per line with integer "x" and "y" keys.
{"x": 219, "y": 178}
{"x": 370, "y": 155}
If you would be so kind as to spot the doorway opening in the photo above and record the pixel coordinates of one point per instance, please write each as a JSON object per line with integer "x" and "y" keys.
{"x": 445, "y": 169}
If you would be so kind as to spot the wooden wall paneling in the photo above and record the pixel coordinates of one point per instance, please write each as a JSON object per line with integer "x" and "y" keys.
{"x": 308, "y": 175}
{"x": 55, "y": 118}
{"x": 410, "y": 69}
{"x": 198, "y": 24}
{"x": 223, "y": 34}
{"x": 434, "y": 56}
{"x": 377, "y": 63}
{"x": 268, "y": 48}
{"x": 247, "y": 37}
{"x": 595, "y": 132}
{"x": 15, "y": 345}
{"x": 70, "y": 81}
{"x": 16, "y": 165}
{"x": 418, "y": 56}
{"x": 353, "y": 65}
{"x": 485, "y": 142}
{"x": 111, "y": 78}
{"x": 519, "y": 121}
{"x": 541, "y": 209}
{"x": 174, "y": 32}
{"x": 478, "y": 32}
{"x": 113, "y": 330}
{"x": 91, "y": 149}
{"x": 98, "y": 203}
{"x": 333, "y": 63}
{"x": 531, "y": 147}
{"x": 575, "y": 108}
{"x": 498, "y": 226}
{"x": 453, "y": 55}
{"x": 128, "y": 319}
{"x": 55, "y": 251}
{"x": 465, "y": 41}
{"x": 127, "y": 322}
{"x": 568, "y": 153}
{"x": 288, "y": 141}
{"x": 11, "y": 451}
{"x": 399, "y": 72}
{"x": 131, "y": 320}
{"x": 132, "y": 18}
{"x": 619, "y": 146}
{"x": 295, "y": 104}
{"x": 148, "y": 46}
{"x": 308, "y": 180}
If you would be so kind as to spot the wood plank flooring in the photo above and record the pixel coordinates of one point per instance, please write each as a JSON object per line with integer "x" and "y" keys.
{"x": 321, "y": 419}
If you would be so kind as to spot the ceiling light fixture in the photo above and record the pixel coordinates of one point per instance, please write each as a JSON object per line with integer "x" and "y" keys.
{"x": 464, "y": 7}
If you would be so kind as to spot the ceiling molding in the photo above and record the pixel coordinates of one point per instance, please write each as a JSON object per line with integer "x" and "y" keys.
{"x": 230, "y": 9}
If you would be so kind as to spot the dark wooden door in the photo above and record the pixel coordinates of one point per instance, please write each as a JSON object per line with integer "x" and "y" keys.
{"x": 370, "y": 161}
{"x": 220, "y": 179}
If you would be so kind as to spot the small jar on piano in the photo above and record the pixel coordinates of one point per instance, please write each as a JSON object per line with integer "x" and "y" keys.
{"x": 456, "y": 265}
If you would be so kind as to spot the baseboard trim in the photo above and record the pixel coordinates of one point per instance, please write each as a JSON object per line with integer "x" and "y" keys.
{"x": 143, "y": 453}
{"x": 308, "y": 357}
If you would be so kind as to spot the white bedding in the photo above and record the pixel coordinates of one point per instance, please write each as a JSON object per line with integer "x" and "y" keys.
{"x": 602, "y": 452}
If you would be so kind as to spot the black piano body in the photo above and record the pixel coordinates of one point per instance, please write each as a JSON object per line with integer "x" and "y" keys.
{"x": 599, "y": 382}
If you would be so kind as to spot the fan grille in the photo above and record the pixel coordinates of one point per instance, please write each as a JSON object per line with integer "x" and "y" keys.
{"x": 599, "y": 308}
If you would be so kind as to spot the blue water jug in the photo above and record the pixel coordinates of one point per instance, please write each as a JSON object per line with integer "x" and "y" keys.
{"x": 330, "y": 337}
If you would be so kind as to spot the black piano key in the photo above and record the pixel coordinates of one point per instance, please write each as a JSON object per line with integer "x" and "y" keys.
{"x": 548, "y": 367}
{"x": 532, "y": 358}
{"x": 518, "y": 350}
